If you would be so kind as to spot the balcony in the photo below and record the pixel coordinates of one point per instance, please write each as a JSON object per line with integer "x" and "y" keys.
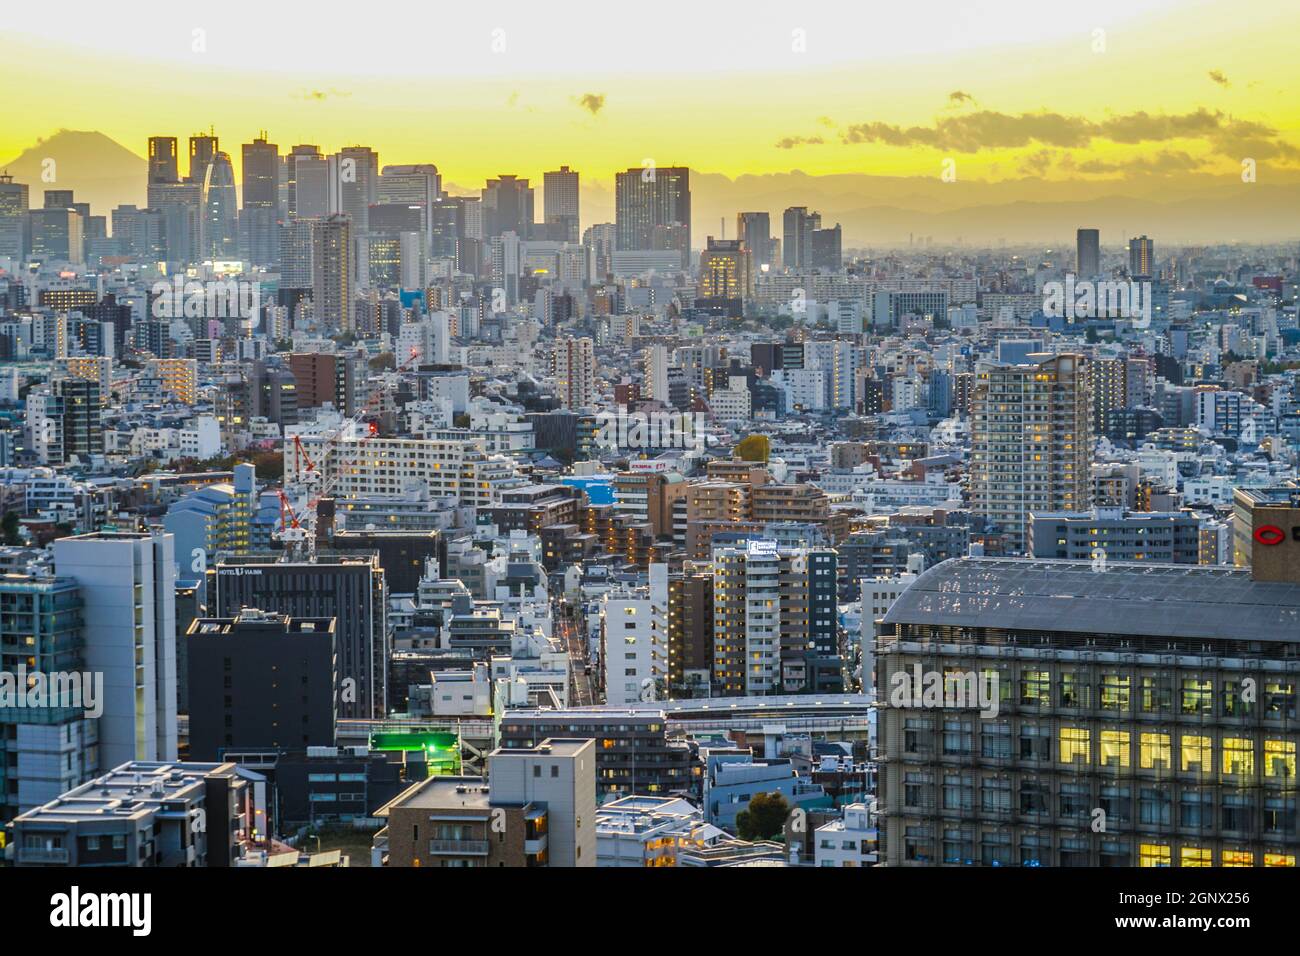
{"x": 55, "y": 855}
{"x": 458, "y": 847}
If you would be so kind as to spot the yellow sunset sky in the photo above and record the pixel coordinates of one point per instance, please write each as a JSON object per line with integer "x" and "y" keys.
{"x": 1005, "y": 89}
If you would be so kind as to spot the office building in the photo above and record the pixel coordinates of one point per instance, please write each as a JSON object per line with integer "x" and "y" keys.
{"x": 260, "y": 682}
{"x": 1114, "y": 534}
{"x": 350, "y": 588}
{"x": 560, "y": 204}
{"x": 646, "y": 200}
{"x": 1141, "y": 258}
{"x": 1087, "y": 253}
{"x": 1142, "y": 715}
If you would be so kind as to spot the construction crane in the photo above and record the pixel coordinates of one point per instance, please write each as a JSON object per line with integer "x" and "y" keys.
{"x": 297, "y": 530}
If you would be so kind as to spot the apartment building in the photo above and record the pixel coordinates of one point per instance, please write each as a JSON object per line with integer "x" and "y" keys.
{"x": 536, "y": 808}
{"x": 1031, "y": 445}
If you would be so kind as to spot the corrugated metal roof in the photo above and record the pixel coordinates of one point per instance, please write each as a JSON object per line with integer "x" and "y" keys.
{"x": 1157, "y": 600}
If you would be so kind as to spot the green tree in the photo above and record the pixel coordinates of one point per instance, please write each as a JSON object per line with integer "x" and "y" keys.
{"x": 764, "y": 818}
{"x": 753, "y": 448}
{"x": 9, "y": 528}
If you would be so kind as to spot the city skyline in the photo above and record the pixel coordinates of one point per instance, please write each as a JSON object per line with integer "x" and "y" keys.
{"x": 995, "y": 116}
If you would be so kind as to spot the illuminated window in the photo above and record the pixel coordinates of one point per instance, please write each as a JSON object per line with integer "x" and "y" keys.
{"x": 1154, "y": 752}
{"x": 1114, "y": 692}
{"x": 1153, "y": 854}
{"x": 1198, "y": 696}
{"x": 1238, "y": 755}
{"x": 1076, "y": 745}
{"x": 1237, "y": 858}
{"x": 1279, "y": 859}
{"x": 1114, "y": 748}
{"x": 1198, "y": 754}
{"x": 1279, "y": 759}
{"x": 1194, "y": 856}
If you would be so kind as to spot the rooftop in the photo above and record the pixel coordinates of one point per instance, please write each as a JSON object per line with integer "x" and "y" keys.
{"x": 1151, "y": 600}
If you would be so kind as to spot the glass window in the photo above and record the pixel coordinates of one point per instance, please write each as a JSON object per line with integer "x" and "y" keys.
{"x": 1154, "y": 751}
{"x": 1114, "y": 692}
{"x": 1194, "y": 856}
{"x": 1114, "y": 748}
{"x": 1279, "y": 759}
{"x": 1238, "y": 755}
{"x": 1198, "y": 754}
{"x": 1153, "y": 854}
{"x": 1075, "y": 745}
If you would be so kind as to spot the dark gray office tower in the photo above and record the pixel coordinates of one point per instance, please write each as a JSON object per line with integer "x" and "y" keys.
{"x": 260, "y": 681}
{"x": 826, "y": 249}
{"x": 507, "y": 207}
{"x": 203, "y": 149}
{"x": 646, "y": 199}
{"x": 755, "y": 230}
{"x": 798, "y": 226}
{"x": 350, "y": 588}
{"x": 1088, "y": 253}
{"x": 14, "y": 199}
{"x": 258, "y": 232}
{"x": 560, "y": 197}
{"x": 164, "y": 160}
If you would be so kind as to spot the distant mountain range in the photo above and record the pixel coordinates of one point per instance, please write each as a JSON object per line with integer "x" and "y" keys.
{"x": 873, "y": 210}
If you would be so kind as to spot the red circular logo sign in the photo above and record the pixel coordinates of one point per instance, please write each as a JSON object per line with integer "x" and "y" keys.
{"x": 1269, "y": 534}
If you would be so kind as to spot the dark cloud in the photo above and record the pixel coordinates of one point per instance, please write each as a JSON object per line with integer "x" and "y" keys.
{"x": 960, "y": 96}
{"x": 790, "y": 142}
{"x": 593, "y": 103}
{"x": 988, "y": 129}
{"x": 320, "y": 95}
{"x": 1162, "y": 163}
{"x": 1218, "y": 76}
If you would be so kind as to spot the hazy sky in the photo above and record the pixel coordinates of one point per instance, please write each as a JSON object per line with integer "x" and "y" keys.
{"x": 1107, "y": 88}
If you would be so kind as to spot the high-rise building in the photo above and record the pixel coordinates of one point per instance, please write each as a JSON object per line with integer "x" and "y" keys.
{"x": 646, "y": 200}
{"x": 354, "y": 186}
{"x": 573, "y": 364}
{"x": 258, "y": 231}
{"x": 260, "y": 682}
{"x": 560, "y": 199}
{"x": 350, "y": 588}
{"x": 798, "y": 226}
{"x": 14, "y": 201}
{"x": 83, "y": 408}
{"x": 726, "y": 270}
{"x": 164, "y": 160}
{"x": 333, "y": 267}
{"x": 45, "y": 750}
{"x": 754, "y": 229}
{"x": 774, "y": 623}
{"x": 203, "y": 149}
{"x": 128, "y": 593}
{"x": 507, "y": 207}
{"x": 219, "y": 221}
{"x": 1088, "y": 253}
{"x": 56, "y": 235}
{"x": 1031, "y": 443}
{"x": 1045, "y": 713}
{"x": 307, "y": 189}
{"x": 1141, "y": 257}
